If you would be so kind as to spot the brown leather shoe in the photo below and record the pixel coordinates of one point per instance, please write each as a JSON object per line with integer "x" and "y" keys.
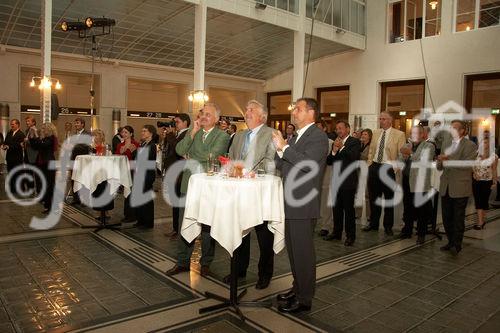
{"x": 176, "y": 270}
{"x": 205, "y": 270}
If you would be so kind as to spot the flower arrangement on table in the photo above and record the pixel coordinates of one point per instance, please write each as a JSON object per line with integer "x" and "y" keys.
{"x": 234, "y": 169}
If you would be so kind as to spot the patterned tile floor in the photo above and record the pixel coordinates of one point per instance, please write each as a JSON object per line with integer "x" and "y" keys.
{"x": 65, "y": 282}
{"x": 425, "y": 290}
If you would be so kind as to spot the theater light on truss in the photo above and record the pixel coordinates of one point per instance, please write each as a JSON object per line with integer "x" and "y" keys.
{"x": 92, "y": 22}
{"x": 198, "y": 96}
{"x": 69, "y": 26}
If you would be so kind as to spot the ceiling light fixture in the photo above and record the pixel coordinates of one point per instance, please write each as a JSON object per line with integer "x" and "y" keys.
{"x": 433, "y": 4}
{"x": 198, "y": 96}
{"x": 45, "y": 82}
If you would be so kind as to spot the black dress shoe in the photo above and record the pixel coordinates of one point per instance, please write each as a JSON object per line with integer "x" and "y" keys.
{"x": 420, "y": 240}
{"x": 454, "y": 250}
{"x": 323, "y": 233}
{"x": 176, "y": 270}
{"x": 369, "y": 228}
{"x": 286, "y": 296}
{"x": 128, "y": 220}
{"x": 388, "y": 232}
{"x": 349, "y": 242}
{"x": 294, "y": 306}
{"x": 262, "y": 283}
{"x": 145, "y": 226}
{"x": 332, "y": 237}
{"x": 446, "y": 247}
{"x": 227, "y": 279}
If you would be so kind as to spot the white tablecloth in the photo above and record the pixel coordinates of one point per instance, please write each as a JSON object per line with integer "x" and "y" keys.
{"x": 231, "y": 207}
{"x": 89, "y": 171}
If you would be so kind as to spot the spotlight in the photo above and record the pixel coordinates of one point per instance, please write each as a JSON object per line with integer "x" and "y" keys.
{"x": 91, "y": 22}
{"x": 68, "y": 26}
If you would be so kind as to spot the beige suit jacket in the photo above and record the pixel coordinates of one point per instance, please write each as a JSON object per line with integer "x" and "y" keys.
{"x": 392, "y": 145}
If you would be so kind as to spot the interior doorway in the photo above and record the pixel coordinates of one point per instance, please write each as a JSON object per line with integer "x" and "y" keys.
{"x": 404, "y": 100}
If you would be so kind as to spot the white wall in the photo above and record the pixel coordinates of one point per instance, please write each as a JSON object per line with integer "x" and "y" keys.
{"x": 448, "y": 58}
{"x": 114, "y": 78}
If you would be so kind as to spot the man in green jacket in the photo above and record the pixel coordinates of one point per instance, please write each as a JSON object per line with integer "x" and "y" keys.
{"x": 202, "y": 139}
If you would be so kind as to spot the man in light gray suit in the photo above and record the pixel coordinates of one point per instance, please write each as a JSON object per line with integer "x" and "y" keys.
{"x": 254, "y": 146}
{"x": 301, "y": 161}
{"x": 417, "y": 184}
{"x": 456, "y": 183}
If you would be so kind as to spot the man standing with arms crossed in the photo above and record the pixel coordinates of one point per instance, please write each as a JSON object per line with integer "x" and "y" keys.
{"x": 301, "y": 161}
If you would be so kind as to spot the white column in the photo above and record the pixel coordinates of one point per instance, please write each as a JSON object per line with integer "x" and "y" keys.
{"x": 447, "y": 17}
{"x": 299, "y": 44}
{"x": 200, "y": 36}
{"x": 46, "y": 45}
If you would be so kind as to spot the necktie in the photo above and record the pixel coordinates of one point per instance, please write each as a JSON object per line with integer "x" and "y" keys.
{"x": 204, "y": 137}
{"x": 246, "y": 145}
{"x": 381, "y": 147}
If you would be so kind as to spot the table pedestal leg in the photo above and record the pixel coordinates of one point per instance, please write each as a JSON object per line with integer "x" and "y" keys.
{"x": 103, "y": 224}
{"x": 234, "y": 299}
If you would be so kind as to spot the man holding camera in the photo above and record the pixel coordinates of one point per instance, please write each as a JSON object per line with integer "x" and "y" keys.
{"x": 174, "y": 132}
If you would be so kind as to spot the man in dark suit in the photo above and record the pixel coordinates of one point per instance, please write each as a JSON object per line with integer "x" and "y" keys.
{"x": 301, "y": 161}
{"x": 182, "y": 123}
{"x": 254, "y": 146}
{"x": 79, "y": 149}
{"x": 345, "y": 152}
{"x": 455, "y": 186}
{"x": 13, "y": 145}
{"x": 231, "y": 130}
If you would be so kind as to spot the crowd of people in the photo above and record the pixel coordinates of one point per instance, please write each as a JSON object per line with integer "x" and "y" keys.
{"x": 467, "y": 169}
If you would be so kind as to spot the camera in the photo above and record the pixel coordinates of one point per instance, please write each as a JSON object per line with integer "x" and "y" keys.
{"x": 169, "y": 123}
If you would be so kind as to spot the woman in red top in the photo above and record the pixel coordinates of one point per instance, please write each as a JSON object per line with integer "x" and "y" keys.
{"x": 128, "y": 148}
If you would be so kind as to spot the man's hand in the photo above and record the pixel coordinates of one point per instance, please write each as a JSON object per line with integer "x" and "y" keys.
{"x": 442, "y": 158}
{"x": 5, "y": 147}
{"x": 278, "y": 140}
{"x": 405, "y": 150}
{"x": 337, "y": 145}
{"x": 196, "y": 128}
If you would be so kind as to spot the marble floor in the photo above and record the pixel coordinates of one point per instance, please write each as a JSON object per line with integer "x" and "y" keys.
{"x": 72, "y": 279}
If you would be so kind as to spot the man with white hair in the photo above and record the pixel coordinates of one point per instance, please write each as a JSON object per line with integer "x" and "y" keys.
{"x": 254, "y": 146}
{"x": 202, "y": 139}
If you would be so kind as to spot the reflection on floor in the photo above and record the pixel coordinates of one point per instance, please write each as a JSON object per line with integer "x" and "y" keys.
{"x": 70, "y": 279}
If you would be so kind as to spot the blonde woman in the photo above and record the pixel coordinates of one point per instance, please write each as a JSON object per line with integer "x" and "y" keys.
{"x": 98, "y": 142}
{"x": 99, "y": 148}
{"x": 46, "y": 143}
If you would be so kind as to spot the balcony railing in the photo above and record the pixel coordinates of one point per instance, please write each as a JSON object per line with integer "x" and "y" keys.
{"x": 347, "y": 15}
